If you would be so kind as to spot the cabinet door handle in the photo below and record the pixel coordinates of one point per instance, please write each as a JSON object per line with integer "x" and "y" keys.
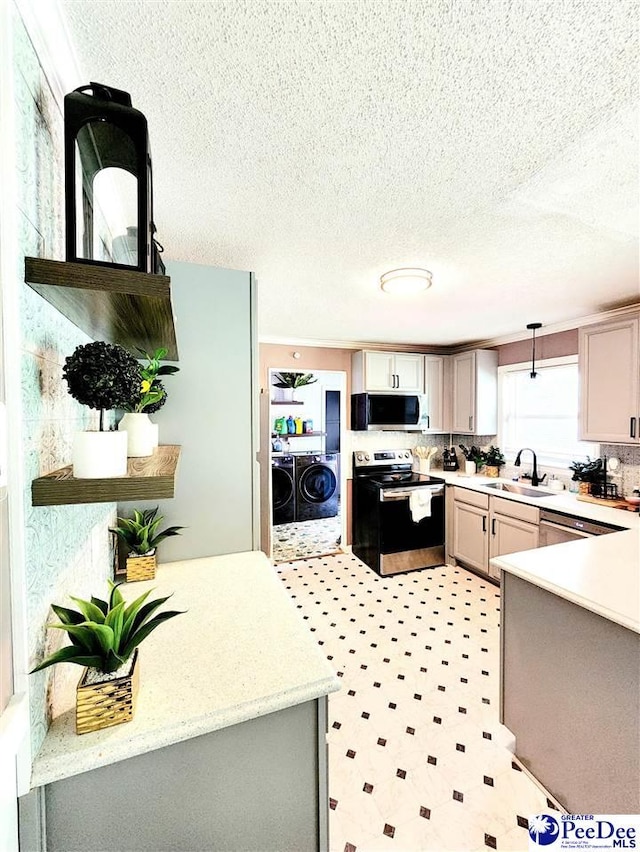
{"x": 632, "y": 427}
{"x": 428, "y": 422}
{"x": 484, "y": 523}
{"x": 493, "y": 526}
{"x": 397, "y": 380}
{"x": 470, "y": 421}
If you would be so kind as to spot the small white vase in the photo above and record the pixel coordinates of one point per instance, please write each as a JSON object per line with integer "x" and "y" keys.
{"x": 287, "y": 394}
{"x": 99, "y": 455}
{"x": 470, "y": 468}
{"x": 139, "y": 434}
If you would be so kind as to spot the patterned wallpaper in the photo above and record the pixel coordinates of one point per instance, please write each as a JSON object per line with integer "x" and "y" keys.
{"x": 67, "y": 548}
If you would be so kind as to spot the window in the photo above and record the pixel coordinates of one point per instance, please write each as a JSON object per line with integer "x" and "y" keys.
{"x": 542, "y": 413}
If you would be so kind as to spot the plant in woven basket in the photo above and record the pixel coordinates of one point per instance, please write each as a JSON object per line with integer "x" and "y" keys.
{"x": 493, "y": 457}
{"x": 103, "y": 376}
{"x": 104, "y": 634}
{"x": 140, "y": 534}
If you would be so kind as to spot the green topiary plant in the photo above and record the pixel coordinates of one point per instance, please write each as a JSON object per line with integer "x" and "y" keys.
{"x": 140, "y": 534}
{"x": 104, "y": 634}
{"x": 102, "y": 376}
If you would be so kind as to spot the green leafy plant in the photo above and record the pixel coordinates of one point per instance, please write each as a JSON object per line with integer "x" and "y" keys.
{"x": 104, "y": 634}
{"x": 590, "y": 471}
{"x": 494, "y": 457}
{"x": 152, "y": 393}
{"x": 293, "y": 380}
{"x": 102, "y": 376}
{"x": 474, "y": 454}
{"x": 140, "y": 534}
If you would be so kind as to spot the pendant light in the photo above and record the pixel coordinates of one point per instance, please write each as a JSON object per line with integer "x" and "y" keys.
{"x": 533, "y": 326}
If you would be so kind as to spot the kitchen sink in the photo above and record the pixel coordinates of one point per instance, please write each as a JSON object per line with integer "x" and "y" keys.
{"x": 514, "y": 488}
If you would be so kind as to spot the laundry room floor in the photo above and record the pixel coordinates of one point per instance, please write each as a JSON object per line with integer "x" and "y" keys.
{"x": 306, "y": 539}
{"x": 418, "y": 761}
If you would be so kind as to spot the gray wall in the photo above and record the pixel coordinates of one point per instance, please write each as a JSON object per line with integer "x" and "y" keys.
{"x": 209, "y": 412}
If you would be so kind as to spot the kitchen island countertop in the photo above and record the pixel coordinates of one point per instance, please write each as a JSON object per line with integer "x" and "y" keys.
{"x": 240, "y": 651}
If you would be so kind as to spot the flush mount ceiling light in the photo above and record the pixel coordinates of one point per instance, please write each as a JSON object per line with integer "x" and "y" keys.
{"x": 405, "y": 281}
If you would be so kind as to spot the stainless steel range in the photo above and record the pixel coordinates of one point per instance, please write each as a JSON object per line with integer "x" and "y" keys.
{"x": 398, "y": 515}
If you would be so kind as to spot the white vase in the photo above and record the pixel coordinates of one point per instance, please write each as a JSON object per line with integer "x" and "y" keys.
{"x": 99, "y": 455}
{"x": 155, "y": 433}
{"x": 470, "y": 468}
{"x": 287, "y": 394}
{"x": 139, "y": 434}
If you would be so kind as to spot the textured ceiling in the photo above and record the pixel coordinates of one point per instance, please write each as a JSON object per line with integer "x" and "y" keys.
{"x": 322, "y": 142}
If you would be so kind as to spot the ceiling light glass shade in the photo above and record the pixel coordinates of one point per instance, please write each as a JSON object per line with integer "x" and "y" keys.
{"x": 405, "y": 281}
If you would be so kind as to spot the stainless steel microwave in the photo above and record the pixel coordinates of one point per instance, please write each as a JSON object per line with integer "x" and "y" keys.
{"x": 397, "y": 412}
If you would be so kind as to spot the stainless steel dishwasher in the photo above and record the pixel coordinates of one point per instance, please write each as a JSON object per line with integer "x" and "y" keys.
{"x": 556, "y": 528}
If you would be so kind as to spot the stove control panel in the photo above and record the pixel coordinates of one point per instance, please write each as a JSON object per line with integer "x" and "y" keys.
{"x": 379, "y": 458}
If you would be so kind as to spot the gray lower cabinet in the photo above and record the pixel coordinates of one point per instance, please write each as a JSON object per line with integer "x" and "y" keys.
{"x": 484, "y": 527}
{"x": 570, "y": 693}
{"x": 260, "y": 785}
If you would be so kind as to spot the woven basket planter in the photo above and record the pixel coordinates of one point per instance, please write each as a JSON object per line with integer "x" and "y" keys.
{"x": 141, "y": 567}
{"x": 491, "y": 470}
{"x": 111, "y": 702}
{"x": 584, "y": 488}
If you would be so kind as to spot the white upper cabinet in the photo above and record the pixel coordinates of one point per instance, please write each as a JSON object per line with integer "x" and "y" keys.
{"x": 384, "y": 372}
{"x": 435, "y": 382}
{"x": 609, "y": 362}
{"x": 475, "y": 392}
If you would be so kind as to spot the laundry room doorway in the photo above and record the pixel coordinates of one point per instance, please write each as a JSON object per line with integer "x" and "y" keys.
{"x": 307, "y": 410}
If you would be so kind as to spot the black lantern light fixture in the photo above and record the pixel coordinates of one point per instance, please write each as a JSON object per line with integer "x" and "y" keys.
{"x": 108, "y": 181}
{"x": 533, "y": 327}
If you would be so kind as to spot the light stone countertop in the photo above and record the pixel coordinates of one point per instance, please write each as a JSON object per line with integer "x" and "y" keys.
{"x": 240, "y": 651}
{"x": 556, "y": 501}
{"x": 601, "y": 574}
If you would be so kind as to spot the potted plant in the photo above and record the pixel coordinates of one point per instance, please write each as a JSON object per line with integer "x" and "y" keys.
{"x": 105, "y": 636}
{"x": 140, "y": 537}
{"x": 474, "y": 459}
{"x": 493, "y": 461}
{"x": 103, "y": 376}
{"x": 152, "y": 395}
{"x": 288, "y": 382}
{"x": 586, "y": 474}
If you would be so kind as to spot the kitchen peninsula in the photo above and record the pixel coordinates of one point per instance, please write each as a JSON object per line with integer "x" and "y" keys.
{"x": 570, "y": 668}
{"x": 227, "y": 747}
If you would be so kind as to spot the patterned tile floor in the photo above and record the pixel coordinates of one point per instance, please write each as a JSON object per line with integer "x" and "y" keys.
{"x": 306, "y": 539}
{"x": 417, "y": 757}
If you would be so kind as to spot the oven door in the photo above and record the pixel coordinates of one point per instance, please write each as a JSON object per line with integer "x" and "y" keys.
{"x": 405, "y": 544}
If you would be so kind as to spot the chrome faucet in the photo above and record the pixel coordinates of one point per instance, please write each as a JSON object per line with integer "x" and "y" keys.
{"x": 534, "y": 473}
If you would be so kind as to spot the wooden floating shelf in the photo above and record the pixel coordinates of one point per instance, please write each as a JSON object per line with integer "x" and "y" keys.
{"x": 302, "y": 435}
{"x": 149, "y": 478}
{"x": 120, "y": 306}
{"x": 281, "y": 402}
